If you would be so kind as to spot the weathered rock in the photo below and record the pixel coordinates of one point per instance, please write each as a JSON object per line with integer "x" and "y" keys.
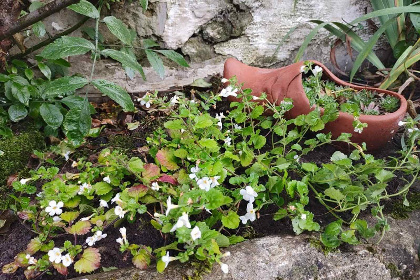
{"x": 292, "y": 257}
{"x": 217, "y": 30}
{"x": 197, "y": 50}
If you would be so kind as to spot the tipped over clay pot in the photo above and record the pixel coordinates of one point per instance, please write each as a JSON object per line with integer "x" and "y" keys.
{"x": 287, "y": 82}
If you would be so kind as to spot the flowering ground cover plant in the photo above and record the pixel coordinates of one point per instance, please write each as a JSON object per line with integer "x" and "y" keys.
{"x": 207, "y": 173}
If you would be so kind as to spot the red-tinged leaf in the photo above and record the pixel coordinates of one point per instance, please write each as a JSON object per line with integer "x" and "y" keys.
{"x": 21, "y": 259}
{"x": 60, "y": 268}
{"x": 80, "y": 228}
{"x": 151, "y": 171}
{"x": 137, "y": 191}
{"x": 31, "y": 273}
{"x": 141, "y": 260}
{"x": 90, "y": 261}
{"x": 25, "y": 215}
{"x": 34, "y": 246}
{"x": 168, "y": 179}
{"x": 10, "y": 268}
{"x": 167, "y": 159}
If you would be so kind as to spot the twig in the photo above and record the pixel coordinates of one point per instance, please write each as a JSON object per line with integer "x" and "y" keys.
{"x": 35, "y": 16}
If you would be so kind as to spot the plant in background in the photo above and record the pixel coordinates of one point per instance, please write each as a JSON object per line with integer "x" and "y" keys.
{"x": 206, "y": 175}
{"x": 51, "y": 101}
{"x": 400, "y": 22}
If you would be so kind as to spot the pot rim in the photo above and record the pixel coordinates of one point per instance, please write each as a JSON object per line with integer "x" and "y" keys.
{"x": 364, "y": 118}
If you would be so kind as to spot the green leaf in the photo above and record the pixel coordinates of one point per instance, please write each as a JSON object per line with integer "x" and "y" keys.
{"x": 216, "y": 199}
{"x": 135, "y": 165}
{"x": 80, "y": 228}
{"x": 45, "y": 70}
{"x": 17, "y": 112}
{"x": 142, "y": 259}
{"x": 125, "y": 59}
{"x": 90, "y": 261}
{"x": 222, "y": 240}
{"x": 174, "y": 56}
{"x": 175, "y": 124}
{"x": 39, "y": 29}
{"x": 102, "y": 188}
{"x": 156, "y": 63}
{"x": 231, "y": 220}
{"x": 259, "y": 141}
{"x": 51, "y": 115}
{"x": 181, "y": 153}
{"x": 116, "y": 93}
{"x": 151, "y": 171}
{"x": 144, "y": 4}
{"x": 280, "y": 214}
{"x": 362, "y": 227}
{"x": 234, "y": 239}
{"x": 69, "y": 216}
{"x": 203, "y": 121}
{"x": 35, "y": 5}
{"x": 85, "y": 8}
{"x": 338, "y": 156}
{"x": 334, "y": 194}
{"x": 67, "y": 46}
{"x": 63, "y": 86}
{"x": 148, "y": 43}
{"x": 77, "y": 123}
{"x": 209, "y": 144}
{"x": 119, "y": 29}
{"x": 33, "y": 246}
{"x": 330, "y": 235}
{"x": 258, "y": 110}
{"x": 384, "y": 175}
{"x": 76, "y": 102}
{"x": 415, "y": 20}
{"x": 310, "y": 167}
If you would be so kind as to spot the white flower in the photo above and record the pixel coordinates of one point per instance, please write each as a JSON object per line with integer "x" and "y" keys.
{"x": 250, "y": 214}
{"x": 155, "y": 186}
{"x": 195, "y": 233}
{"x": 302, "y": 68}
{"x": 411, "y": 130}
{"x": 67, "y": 261}
{"x": 214, "y": 181}
{"x": 120, "y": 241}
{"x": 194, "y": 170}
{"x": 401, "y": 123}
{"x": 56, "y": 219}
{"x": 119, "y": 211}
{"x": 99, "y": 235}
{"x": 358, "y": 129}
{"x": 83, "y": 187}
{"x": 255, "y": 97}
{"x": 123, "y": 232}
{"x": 116, "y": 199}
{"x": 145, "y": 103}
{"x": 220, "y": 125}
{"x": 86, "y": 218}
{"x": 170, "y": 205}
{"x": 54, "y": 255}
{"x": 66, "y": 155}
{"x": 24, "y": 181}
{"x": 74, "y": 164}
{"x": 95, "y": 238}
{"x": 166, "y": 259}
{"x": 54, "y": 208}
{"x": 316, "y": 70}
{"x": 224, "y": 267}
{"x": 107, "y": 179}
{"x": 31, "y": 260}
{"x": 204, "y": 183}
{"x": 303, "y": 216}
{"x": 56, "y": 26}
{"x": 224, "y": 80}
{"x": 228, "y": 141}
{"x": 228, "y": 91}
{"x": 227, "y": 254}
{"x": 174, "y": 100}
{"x": 296, "y": 157}
{"x": 103, "y": 203}
{"x": 235, "y": 126}
{"x": 248, "y": 194}
{"x": 182, "y": 221}
{"x": 220, "y": 116}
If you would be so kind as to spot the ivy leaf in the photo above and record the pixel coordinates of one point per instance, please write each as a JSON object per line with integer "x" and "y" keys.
{"x": 231, "y": 220}
{"x": 330, "y": 235}
{"x": 167, "y": 159}
{"x": 45, "y": 70}
{"x": 67, "y": 46}
{"x": 119, "y": 29}
{"x": 362, "y": 227}
{"x": 51, "y": 115}
{"x": 151, "y": 171}
{"x": 174, "y": 56}
{"x": 80, "y": 228}
{"x": 90, "y": 261}
{"x": 85, "y": 8}
{"x": 349, "y": 237}
{"x": 17, "y": 112}
{"x": 116, "y": 93}
{"x": 63, "y": 86}
{"x": 156, "y": 63}
{"x": 102, "y": 188}
{"x": 144, "y": 4}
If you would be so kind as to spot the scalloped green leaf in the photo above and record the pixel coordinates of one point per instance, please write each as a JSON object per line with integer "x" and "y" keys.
{"x": 33, "y": 246}
{"x": 80, "y": 228}
{"x": 90, "y": 261}
{"x": 151, "y": 171}
{"x": 167, "y": 159}
{"x": 102, "y": 188}
{"x": 69, "y": 216}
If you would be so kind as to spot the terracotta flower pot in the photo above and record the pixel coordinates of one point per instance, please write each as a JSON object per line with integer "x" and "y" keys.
{"x": 287, "y": 82}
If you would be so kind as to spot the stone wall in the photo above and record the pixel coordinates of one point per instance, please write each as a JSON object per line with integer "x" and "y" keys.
{"x": 209, "y": 31}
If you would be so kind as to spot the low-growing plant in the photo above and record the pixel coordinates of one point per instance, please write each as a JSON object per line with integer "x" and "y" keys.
{"x": 207, "y": 174}
{"x": 355, "y": 102}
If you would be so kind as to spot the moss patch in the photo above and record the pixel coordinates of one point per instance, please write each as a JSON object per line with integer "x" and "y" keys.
{"x": 400, "y": 211}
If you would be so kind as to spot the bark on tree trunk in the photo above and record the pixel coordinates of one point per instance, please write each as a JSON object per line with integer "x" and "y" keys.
{"x": 9, "y": 12}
